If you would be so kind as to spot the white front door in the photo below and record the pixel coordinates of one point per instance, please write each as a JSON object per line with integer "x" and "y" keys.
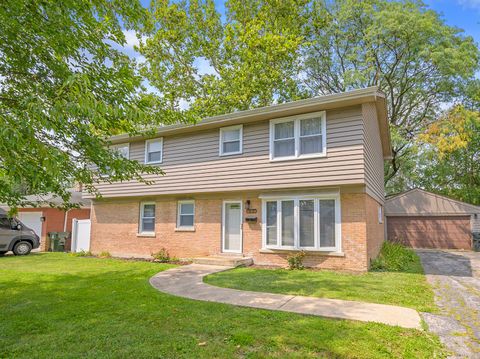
{"x": 232, "y": 227}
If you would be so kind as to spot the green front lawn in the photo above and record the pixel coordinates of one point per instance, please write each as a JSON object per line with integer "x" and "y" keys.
{"x": 408, "y": 288}
{"x": 54, "y": 305}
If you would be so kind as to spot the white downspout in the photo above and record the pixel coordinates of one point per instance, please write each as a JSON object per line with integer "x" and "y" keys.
{"x": 65, "y": 220}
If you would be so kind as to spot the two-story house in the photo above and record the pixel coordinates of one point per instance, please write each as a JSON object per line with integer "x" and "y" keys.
{"x": 263, "y": 183}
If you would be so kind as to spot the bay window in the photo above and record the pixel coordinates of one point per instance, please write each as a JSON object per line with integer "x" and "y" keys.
{"x": 298, "y": 137}
{"x": 271, "y": 223}
{"x": 310, "y": 223}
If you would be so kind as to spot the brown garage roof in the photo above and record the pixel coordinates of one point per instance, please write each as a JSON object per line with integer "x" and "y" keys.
{"x": 418, "y": 202}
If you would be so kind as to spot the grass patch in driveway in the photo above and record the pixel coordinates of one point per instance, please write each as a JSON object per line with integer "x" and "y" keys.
{"x": 55, "y": 305}
{"x": 408, "y": 288}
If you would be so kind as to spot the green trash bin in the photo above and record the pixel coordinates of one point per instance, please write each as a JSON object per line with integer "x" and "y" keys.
{"x": 53, "y": 237}
{"x": 64, "y": 241}
{"x": 56, "y": 245}
{"x": 61, "y": 245}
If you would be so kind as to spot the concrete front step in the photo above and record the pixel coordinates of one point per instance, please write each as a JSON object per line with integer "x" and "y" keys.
{"x": 227, "y": 261}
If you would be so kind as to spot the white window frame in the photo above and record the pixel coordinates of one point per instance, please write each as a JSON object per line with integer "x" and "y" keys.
{"x": 142, "y": 208}
{"x": 316, "y": 197}
{"x": 296, "y": 130}
{"x": 159, "y": 139}
{"x": 115, "y": 147}
{"x": 220, "y": 141}
{"x": 179, "y": 206}
{"x": 380, "y": 214}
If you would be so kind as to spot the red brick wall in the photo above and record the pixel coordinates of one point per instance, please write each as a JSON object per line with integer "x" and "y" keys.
{"x": 115, "y": 227}
{"x": 54, "y": 221}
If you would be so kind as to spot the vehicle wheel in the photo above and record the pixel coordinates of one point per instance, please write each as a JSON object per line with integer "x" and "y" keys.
{"x": 22, "y": 248}
{"x": 2, "y": 253}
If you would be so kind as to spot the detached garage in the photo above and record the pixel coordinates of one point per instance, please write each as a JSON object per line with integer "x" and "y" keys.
{"x": 421, "y": 219}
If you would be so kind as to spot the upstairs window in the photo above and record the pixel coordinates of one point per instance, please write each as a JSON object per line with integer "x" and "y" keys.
{"x": 298, "y": 137}
{"x": 231, "y": 140}
{"x": 154, "y": 151}
{"x": 123, "y": 149}
{"x": 186, "y": 214}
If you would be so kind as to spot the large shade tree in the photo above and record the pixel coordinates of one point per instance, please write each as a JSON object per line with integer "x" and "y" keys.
{"x": 218, "y": 63}
{"x": 449, "y": 160}
{"x": 402, "y": 47}
{"x": 262, "y": 52}
{"x": 64, "y": 88}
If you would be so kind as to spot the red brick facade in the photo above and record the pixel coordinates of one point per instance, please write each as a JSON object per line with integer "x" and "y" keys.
{"x": 55, "y": 222}
{"x": 115, "y": 229}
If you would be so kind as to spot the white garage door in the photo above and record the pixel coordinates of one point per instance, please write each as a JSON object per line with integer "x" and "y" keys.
{"x": 32, "y": 220}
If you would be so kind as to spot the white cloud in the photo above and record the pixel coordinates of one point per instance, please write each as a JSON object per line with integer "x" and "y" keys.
{"x": 132, "y": 39}
{"x": 470, "y": 4}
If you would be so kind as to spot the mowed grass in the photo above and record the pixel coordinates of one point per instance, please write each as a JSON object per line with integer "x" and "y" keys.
{"x": 406, "y": 286}
{"x": 59, "y": 306}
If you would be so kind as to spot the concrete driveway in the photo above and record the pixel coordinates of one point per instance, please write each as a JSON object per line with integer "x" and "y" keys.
{"x": 455, "y": 277}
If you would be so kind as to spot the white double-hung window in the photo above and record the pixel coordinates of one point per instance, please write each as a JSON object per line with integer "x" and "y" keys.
{"x": 298, "y": 137}
{"x": 123, "y": 149}
{"x": 307, "y": 222}
{"x": 147, "y": 218}
{"x": 186, "y": 214}
{"x": 231, "y": 140}
{"x": 154, "y": 151}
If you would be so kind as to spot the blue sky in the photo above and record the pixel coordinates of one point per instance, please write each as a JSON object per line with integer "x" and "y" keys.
{"x": 464, "y": 14}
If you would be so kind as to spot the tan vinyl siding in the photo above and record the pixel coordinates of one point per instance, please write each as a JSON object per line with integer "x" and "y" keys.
{"x": 374, "y": 175}
{"x": 418, "y": 202}
{"x": 192, "y": 163}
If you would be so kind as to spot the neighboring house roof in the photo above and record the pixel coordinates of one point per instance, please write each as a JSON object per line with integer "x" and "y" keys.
{"x": 44, "y": 201}
{"x": 328, "y": 102}
{"x": 418, "y": 202}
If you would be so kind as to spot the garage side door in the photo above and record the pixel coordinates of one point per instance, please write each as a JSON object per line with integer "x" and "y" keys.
{"x": 431, "y": 232}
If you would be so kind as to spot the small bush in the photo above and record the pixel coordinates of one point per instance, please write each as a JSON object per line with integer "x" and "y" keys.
{"x": 394, "y": 257}
{"x": 82, "y": 254}
{"x": 105, "y": 254}
{"x": 162, "y": 256}
{"x": 295, "y": 261}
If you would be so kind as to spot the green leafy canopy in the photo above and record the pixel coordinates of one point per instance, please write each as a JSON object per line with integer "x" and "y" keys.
{"x": 64, "y": 88}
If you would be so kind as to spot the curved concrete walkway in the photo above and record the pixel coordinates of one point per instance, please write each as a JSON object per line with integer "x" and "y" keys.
{"x": 187, "y": 282}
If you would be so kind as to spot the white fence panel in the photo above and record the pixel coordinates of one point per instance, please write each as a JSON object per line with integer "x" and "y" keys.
{"x": 81, "y": 235}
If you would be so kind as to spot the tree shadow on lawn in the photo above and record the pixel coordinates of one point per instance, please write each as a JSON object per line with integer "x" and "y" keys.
{"x": 116, "y": 313}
